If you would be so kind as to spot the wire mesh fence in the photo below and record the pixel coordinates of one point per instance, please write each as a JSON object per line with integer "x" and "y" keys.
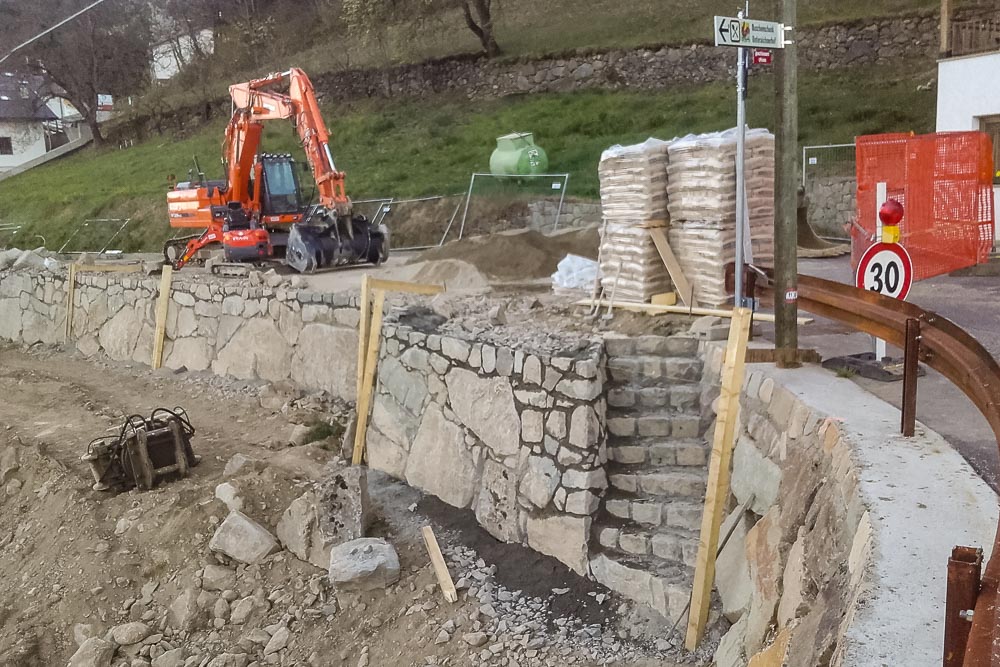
{"x": 828, "y": 180}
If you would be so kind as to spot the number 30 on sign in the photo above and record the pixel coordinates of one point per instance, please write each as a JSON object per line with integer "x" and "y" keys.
{"x": 886, "y": 268}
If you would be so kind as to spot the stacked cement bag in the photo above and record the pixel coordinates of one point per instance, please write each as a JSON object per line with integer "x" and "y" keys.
{"x": 702, "y": 203}
{"x": 634, "y": 200}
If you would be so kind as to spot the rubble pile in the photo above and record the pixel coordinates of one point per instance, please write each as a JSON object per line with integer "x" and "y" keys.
{"x": 634, "y": 201}
{"x": 702, "y": 202}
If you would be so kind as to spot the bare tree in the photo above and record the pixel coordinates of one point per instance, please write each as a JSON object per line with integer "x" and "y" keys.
{"x": 367, "y": 18}
{"x": 106, "y": 51}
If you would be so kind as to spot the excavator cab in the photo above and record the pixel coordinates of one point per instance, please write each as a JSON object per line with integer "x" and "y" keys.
{"x": 280, "y": 194}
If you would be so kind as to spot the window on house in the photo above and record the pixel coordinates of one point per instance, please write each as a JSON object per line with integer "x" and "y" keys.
{"x": 6, "y": 146}
{"x": 991, "y": 126}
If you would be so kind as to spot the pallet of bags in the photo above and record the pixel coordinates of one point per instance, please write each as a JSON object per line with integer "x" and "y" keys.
{"x": 631, "y": 267}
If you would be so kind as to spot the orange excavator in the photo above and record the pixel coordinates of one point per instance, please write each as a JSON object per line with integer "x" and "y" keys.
{"x": 259, "y": 213}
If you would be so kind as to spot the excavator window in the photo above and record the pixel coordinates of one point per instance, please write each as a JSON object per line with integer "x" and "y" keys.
{"x": 281, "y": 188}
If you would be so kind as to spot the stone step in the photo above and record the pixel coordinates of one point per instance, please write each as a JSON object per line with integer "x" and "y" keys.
{"x": 651, "y": 371}
{"x": 664, "y": 481}
{"x": 676, "y": 398}
{"x": 662, "y": 587}
{"x": 658, "y": 452}
{"x": 651, "y": 513}
{"x": 674, "y": 426}
{"x": 662, "y": 548}
{"x": 660, "y": 346}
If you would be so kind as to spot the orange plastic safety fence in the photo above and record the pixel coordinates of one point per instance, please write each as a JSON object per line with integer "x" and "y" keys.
{"x": 944, "y": 182}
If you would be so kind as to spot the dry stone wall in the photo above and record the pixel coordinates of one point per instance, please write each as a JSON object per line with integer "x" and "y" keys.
{"x": 516, "y": 437}
{"x": 831, "y": 202}
{"x": 251, "y": 332}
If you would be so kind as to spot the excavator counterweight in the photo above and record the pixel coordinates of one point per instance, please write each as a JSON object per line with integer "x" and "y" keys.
{"x": 258, "y": 212}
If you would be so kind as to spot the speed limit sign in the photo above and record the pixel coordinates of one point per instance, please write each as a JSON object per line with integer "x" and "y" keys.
{"x": 885, "y": 268}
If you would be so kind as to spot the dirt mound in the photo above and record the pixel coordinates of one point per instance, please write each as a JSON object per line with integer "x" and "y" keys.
{"x": 519, "y": 255}
{"x": 454, "y": 274}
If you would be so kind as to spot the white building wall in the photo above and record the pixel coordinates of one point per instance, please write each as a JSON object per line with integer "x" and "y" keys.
{"x": 27, "y": 138}
{"x": 968, "y": 88}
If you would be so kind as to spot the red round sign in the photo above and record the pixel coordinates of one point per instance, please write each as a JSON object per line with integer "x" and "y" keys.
{"x": 885, "y": 268}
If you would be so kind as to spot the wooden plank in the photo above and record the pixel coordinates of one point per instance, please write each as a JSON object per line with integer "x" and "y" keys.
{"x": 70, "y": 295}
{"x": 363, "y": 324}
{"x": 368, "y": 383}
{"x": 770, "y": 356}
{"x": 109, "y": 268}
{"x": 440, "y": 567}
{"x": 775, "y": 654}
{"x": 162, "y": 304}
{"x": 679, "y": 310}
{"x": 717, "y": 490}
{"x": 665, "y": 299}
{"x": 401, "y": 286}
{"x": 680, "y": 281}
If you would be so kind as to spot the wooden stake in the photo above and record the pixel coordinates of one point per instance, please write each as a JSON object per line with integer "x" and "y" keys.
{"x": 680, "y": 310}
{"x": 368, "y": 382}
{"x": 717, "y": 490}
{"x": 681, "y": 284}
{"x": 440, "y": 567}
{"x": 363, "y": 323}
{"x": 70, "y": 294}
{"x": 162, "y": 304}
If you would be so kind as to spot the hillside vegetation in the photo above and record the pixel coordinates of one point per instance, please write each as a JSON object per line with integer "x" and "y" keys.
{"x": 429, "y": 147}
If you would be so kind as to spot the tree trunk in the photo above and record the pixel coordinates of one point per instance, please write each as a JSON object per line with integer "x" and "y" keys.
{"x": 95, "y": 129}
{"x": 482, "y": 25}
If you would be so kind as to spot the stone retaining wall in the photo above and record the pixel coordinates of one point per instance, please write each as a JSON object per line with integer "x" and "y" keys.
{"x": 575, "y": 213}
{"x": 832, "y": 204}
{"x": 259, "y": 332}
{"x": 516, "y": 437}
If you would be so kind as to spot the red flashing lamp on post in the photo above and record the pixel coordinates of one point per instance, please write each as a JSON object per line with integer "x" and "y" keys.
{"x": 891, "y": 214}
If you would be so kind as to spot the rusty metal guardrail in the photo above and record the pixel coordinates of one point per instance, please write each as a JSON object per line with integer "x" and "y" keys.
{"x": 945, "y": 347}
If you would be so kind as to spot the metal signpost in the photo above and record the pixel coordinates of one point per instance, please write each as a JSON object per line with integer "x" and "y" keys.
{"x": 744, "y": 34}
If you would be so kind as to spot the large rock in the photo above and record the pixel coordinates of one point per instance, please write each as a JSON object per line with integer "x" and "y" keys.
{"x": 732, "y": 572}
{"x": 94, "y": 652}
{"x": 172, "y": 658}
{"x": 326, "y": 357}
{"x": 408, "y": 388}
{"x": 243, "y": 539}
{"x": 634, "y": 583}
{"x": 730, "y": 652}
{"x": 496, "y": 506}
{"x": 119, "y": 336}
{"x": 130, "y": 633}
{"x": 257, "y": 350}
{"x": 363, "y": 565}
{"x": 563, "y": 537}
{"x": 754, "y": 473}
{"x": 337, "y": 511}
{"x": 793, "y": 583}
{"x": 191, "y": 353}
{"x": 10, "y": 319}
{"x": 486, "y": 405}
{"x": 184, "y": 612}
{"x": 218, "y": 578}
{"x": 763, "y": 547}
{"x": 540, "y": 481}
{"x": 230, "y": 660}
{"x": 440, "y": 462}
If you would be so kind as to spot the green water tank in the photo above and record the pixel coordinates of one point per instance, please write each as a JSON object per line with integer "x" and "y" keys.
{"x": 517, "y": 153}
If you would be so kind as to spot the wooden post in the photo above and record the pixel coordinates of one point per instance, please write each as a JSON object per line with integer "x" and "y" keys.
{"x": 786, "y": 153}
{"x": 162, "y": 304}
{"x": 70, "y": 295}
{"x": 363, "y": 324}
{"x": 368, "y": 381}
{"x": 717, "y": 490}
{"x": 440, "y": 567}
{"x": 946, "y": 28}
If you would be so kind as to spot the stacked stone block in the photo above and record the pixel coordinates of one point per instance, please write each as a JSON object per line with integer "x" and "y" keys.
{"x": 516, "y": 437}
{"x": 646, "y": 532}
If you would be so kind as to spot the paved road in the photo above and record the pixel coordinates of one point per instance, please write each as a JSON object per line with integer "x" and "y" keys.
{"x": 971, "y": 302}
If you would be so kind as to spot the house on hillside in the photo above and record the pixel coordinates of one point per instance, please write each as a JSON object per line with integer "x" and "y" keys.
{"x": 33, "y": 121}
{"x": 968, "y": 94}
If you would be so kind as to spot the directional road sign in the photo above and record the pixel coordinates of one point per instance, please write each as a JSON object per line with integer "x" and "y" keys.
{"x": 885, "y": 268}
{"x": 731, "y": 31}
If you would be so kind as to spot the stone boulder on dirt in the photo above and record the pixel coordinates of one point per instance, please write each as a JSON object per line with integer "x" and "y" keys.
{"x": 243, "y": 539}
{"x": 172, "y": 658}
{"x": 82, "y": 632}
{"x": 8, "y": 257}
{"x": 9, "y": 462}
{"x": 28, "y": 260}
{"x": 229, "y": 495}
{"x": 237, "y": 463}
{"x": 94, "y": 652}
{"x": 336, "y": 511}
{"x": 130, "y": 633}
{"x": 184, "y": 613}
{"x": 363, "y": 565}
{"x": 218, "y": 578}
{"x": 230, "y": 660}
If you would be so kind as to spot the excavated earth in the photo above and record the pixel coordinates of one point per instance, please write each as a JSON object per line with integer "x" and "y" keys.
{"x": 135, "y": 567}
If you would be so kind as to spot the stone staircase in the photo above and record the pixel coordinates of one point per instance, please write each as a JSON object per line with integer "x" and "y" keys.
{"x": 646, "y": 532}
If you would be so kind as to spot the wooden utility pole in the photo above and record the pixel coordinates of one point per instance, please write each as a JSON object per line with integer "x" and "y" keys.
{"x": 945, "y": 27}
{"x": 786, "y": 196}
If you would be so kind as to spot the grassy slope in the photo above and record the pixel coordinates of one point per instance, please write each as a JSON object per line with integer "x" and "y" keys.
{"x": 429, "y": 147}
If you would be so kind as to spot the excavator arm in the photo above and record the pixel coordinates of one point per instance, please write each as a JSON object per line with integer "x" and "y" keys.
{"x": 255, "y": 102}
